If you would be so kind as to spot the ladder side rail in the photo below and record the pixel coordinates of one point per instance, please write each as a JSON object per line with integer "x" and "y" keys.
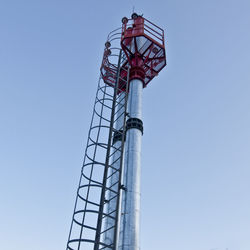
{"x": 101, "y": 209}
{"x": 85, "y": 153}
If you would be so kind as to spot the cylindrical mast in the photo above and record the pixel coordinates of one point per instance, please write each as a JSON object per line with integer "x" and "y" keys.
{"x": 115, "y": 175}
{"x": 132, "y": 168}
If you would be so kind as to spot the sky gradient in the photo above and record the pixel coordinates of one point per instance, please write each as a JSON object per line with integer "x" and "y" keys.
{"x": 196, "y": 114}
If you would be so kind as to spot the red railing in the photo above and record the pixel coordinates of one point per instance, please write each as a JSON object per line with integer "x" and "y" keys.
{"x": 144, "y": 28}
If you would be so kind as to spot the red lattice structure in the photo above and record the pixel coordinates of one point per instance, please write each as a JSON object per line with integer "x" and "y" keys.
{"x": 143, "y": 46}
{"x": 143, "y": 43}
{"x": 108, "y": 69}
{"x": 110, "y": 66}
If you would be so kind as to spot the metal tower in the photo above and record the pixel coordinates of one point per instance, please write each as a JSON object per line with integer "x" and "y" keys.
{"x": 107, "y": 208}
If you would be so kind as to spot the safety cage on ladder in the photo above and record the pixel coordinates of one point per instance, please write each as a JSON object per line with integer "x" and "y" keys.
{"x": 96, "y": 212}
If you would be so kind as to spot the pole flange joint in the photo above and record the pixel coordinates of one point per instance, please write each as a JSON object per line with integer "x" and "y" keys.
{"x": 134, "y": 123}
{"x": 118, "y": 136}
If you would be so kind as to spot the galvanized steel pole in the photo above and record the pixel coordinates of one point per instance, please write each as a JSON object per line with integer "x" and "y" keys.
{"x": 114, "y": 179}
{"x": 132, "y": 172}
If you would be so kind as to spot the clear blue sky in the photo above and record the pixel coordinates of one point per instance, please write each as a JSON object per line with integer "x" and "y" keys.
{"x": 196, "y": 145}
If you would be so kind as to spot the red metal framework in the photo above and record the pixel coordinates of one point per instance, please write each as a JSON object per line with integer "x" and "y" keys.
{"x": 143, "y": 48}
{"x": 143, "y": 44}
{"x": 109, "y": 70}
{"x": 109, "y": 62}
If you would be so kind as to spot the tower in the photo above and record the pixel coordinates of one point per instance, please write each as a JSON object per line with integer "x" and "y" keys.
{"x": 107, "y": 208}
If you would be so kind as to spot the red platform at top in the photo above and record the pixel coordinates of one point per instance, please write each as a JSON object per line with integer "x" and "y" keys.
{"x": 143, "y": 44}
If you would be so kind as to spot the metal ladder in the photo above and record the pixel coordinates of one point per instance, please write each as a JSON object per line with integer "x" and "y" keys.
{"x": 95, "y": 225}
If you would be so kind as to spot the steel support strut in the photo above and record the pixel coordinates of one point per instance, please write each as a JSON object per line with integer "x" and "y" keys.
{"x": 116, "y": 158}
